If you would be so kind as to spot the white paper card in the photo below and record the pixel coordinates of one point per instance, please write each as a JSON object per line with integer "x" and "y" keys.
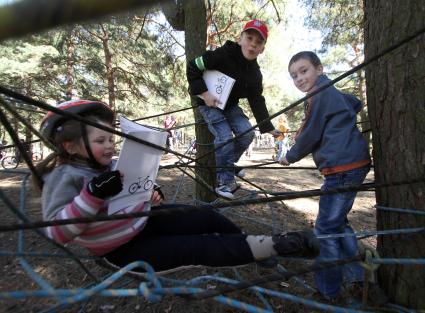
{"x": 219, "y": 85}
{"x": 138, "y": 163}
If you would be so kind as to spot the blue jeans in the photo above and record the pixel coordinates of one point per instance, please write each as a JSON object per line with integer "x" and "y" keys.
{"x": 223, "y": 124}
{"x": 332, "y": 219}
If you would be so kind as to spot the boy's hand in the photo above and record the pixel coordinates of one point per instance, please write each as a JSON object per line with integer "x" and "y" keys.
{"x": 284, "y": 161}
{"x": 210, "y": 100}
{"x": 275, "y": 133}
{"x": 105, "y": 185}
{"x": 157, "y": 195}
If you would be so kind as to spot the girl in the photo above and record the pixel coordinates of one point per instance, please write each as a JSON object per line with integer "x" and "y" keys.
{"x": 78, "y": 182}
{"x": 330, "y": 133}
{"x": 283, "y": 139}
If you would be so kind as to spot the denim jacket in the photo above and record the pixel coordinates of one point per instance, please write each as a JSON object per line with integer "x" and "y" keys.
{"x": 329, "y": 130}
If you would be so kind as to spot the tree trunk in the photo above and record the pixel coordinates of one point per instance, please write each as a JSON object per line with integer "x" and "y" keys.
{"x": 70, "y": 48}
{"x": 109, "y": 67}
{"x": 396, "y": 97}
{"x": 174, "y": 12}
{"x": 195, "y": 39}
{"x": 364, "y": 118}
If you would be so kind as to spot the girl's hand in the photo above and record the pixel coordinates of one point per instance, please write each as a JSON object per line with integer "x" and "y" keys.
{"x": 275, "y": 133}
{"x": 157, "y": 195}
{"x": 210, "y": 100}
{"x": 284, "y": 161}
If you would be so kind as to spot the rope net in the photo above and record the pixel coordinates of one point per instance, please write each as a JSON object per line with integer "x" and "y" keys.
{"x": 74, "y": 281}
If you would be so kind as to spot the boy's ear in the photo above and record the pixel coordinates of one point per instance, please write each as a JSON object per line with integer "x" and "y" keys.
{"x": 320, "y": 69}
{"x": 239, "y": 39}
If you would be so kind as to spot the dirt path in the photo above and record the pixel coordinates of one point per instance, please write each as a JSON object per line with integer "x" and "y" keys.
{"x": 65, "y": 273}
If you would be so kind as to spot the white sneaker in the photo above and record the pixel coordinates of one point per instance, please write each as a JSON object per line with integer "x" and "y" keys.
{"x": 227, "y": 190}
{"x": 239, "y": 171}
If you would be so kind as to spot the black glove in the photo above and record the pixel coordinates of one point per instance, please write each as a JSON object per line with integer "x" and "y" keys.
{"x": 105, "y": 185}
{"x": 158, "y": 189}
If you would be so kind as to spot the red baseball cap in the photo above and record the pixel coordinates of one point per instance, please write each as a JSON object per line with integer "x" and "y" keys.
{"x": 259, "y": 26}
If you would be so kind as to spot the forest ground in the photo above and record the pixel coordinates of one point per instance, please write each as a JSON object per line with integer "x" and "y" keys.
{"x": 256, "y": 219}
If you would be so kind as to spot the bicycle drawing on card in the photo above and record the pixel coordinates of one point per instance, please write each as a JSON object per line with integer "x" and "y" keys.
{"x": 221, "y": 82}
{"x": 146, "y": 183}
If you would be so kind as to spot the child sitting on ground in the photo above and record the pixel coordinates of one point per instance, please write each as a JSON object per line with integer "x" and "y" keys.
{"x": 78, "y": 181}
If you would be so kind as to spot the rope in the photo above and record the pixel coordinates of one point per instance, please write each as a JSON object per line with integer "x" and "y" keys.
{"x": 380, "y": 54}
{"x": 285, "y": 296}
{"x": 150, "y": 293}
{"x": 179, "y": 208}
{"x": 402, "y": 261}
{"x": 399, "y": 210}
{"x": 79, "y": 118}
{"x": 331, "y": 83}
{"x": 278, "y": 276}
{"x": 162, "y": 114}
{"x": 36, "y": 278}
{"x": 257, "y": 166}
{"x": 44, "y": 255}
{"x": 29, "y": 126}
{"x": 59, "y": 246}
{"x": 19, "y": 145}
{"x": 237, "y": 304}
{"x": 16, "y": 95}
{"x": 156, "y": 293}
{"x": 30, "y": 16}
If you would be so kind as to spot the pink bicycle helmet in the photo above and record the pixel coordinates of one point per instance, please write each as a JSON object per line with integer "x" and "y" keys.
{"x": 53, "y": 120}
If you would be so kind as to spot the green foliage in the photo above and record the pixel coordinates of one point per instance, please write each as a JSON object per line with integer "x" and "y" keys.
{"x": 146, "y": 76}
{"x": 138, "y": 51}
{"x": 21, "y": 62}
{"x": 225, "y": 22}
{"x": 341, "y": 23}
{"x": 225, "y": 18}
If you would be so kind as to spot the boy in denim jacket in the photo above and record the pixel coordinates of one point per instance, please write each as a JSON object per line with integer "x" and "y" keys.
{"x": 340, "y": 152}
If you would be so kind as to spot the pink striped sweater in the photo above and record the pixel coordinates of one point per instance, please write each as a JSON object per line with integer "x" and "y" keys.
{"x": 65, "y": 196}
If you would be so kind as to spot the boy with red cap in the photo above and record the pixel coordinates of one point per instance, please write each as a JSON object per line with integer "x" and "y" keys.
{"x": 239, "y": 61}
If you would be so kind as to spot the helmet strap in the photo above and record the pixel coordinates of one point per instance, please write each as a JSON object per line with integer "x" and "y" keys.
{"x": 91, "y": 159}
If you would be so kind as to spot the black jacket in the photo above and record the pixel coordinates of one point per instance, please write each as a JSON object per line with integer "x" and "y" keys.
{"x": 229, "y": 60}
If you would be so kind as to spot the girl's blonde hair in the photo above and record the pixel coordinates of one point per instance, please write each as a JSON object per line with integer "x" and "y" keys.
{"x": 282, "y": 118}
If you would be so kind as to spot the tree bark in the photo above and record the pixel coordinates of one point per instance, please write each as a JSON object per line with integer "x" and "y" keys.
{"x": 70, "y": 48}
{"x": 195, "y": 40}
{"x": 364, "y": 117}
{"x": 109, "y": 67}
{"x": 396, "y": 100}
{"x": 174, "y": 12}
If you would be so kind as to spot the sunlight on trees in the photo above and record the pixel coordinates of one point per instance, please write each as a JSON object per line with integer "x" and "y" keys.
{"x": 135, "y": 61}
